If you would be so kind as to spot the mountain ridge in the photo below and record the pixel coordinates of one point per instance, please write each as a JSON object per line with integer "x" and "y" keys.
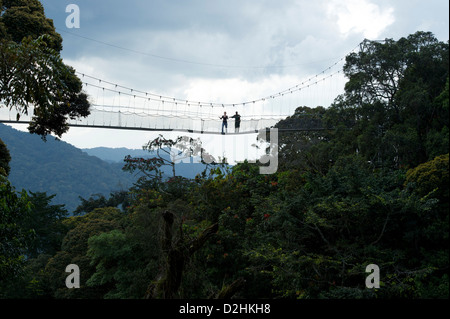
{"x": 114, "y": 154}
{"x": 57, "y": 167}
{"x": 187, "y": 168}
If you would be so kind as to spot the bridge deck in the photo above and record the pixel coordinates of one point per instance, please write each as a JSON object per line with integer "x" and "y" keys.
{"x": 174, "y": 130}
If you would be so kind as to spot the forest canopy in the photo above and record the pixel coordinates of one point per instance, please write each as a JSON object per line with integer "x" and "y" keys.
{"x": 372, "y": 189}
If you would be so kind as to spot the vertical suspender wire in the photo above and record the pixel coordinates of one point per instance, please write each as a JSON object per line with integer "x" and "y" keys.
{"x": 334, "y": 79}
{"x": 163, "y": 105}
{"x": 288, "y": 97}
{"x": 210, "y": 116}
{"x": 200, "y": 108}
{"x": 96, "y": 99}
{"x": 140, "y": 113}
{"x": 176, "y": 118}
{"x": 330, "y": 89}
{"x": 186, "y": 116}
{"x": 160, "y": 107}
{"x": 113, "y": 101}
{"x": 86, "y": 117}
{"x": 115, "y": 98}
{"x": 148, "y": 113}
{"x": 119, "y": 107}
{"x": 127, "y": 109}
{"x": 272, "y": 106}
{"x": 312, "y": 94}
{"x": 134, "y": 110}
{"x": 103, "y": 108}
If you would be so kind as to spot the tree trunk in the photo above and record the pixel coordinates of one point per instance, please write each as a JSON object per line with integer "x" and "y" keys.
{"x": 177, "y": 255}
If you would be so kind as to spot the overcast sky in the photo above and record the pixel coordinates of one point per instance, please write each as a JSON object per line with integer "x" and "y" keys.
{"x": 224, "y": 50}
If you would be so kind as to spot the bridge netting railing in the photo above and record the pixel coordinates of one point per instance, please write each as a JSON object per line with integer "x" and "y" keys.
{"x": 126, "y": 119}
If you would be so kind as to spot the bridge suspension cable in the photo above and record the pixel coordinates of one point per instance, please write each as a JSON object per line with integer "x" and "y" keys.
{"x": 117, "y": 106}
{"x": 120, "y": 89}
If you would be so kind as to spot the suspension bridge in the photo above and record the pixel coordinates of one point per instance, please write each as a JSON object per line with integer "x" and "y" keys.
{"x": 115, "y": 106}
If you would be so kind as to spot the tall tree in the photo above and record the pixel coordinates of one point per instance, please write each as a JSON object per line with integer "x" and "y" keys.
{"x": 393, "y": 111}
{"x": 294, "y": 146}
{"x": 392, "y": 87}
{"x": 46, "y": 221}
{"x": 32, "y": 73}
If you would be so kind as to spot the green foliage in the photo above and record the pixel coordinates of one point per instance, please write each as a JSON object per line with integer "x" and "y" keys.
{"x": 5, "y": 158}
{"x": 371, "y": 189}
{"x": 32, "y": 71}
{"x": 431, "y": 177}
{"x": 74, "y": 250}
{"x": 14, "y": 208}
{"x": 46, "y": 221}
{"x": 26, "y": 18}
{"x": 394, "y": 112}
{"x": 31, "y": 233}
{"x": 111, "y": 252}
{"x": 116, "y": 199}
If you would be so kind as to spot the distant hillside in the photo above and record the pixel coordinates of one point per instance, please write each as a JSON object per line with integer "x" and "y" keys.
{"x": 56, "y": 167}
{"x": 116, "y": 155}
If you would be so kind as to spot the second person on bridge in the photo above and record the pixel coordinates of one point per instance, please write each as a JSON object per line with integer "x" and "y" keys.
{"x": 237, "y": 122}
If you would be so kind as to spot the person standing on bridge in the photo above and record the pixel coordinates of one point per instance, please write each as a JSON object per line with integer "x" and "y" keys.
{"x": 237, "y": 123}
{"x": 224, "y": 118}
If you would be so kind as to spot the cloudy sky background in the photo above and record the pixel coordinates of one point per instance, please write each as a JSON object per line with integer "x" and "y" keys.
{"x": 224, "y": 50}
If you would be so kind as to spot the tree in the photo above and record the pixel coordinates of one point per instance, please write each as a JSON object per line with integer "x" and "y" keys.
{"x": 431, "y": 179}
{"x": 23, "y": 18}
{"x": 74, "y": 250}
{"x": 14, "y": 239}
{"x": 15, "y": 235}
{"x": 112, "y": 254}
{"x": 437, "y": 139}
{"x": 46, "y": 221}
{"x": 394, "y": 111}
{"x": 168, "y": 153}
{"x": 116, "y": 199}
{"x": 295, "y": 146}
{"x": 33, "y": 74}
{"x": 374, "y": 73}
{"x": 5, "y": 158}
{"x": 392, "y": 87}
{"x": 177, "y": 254}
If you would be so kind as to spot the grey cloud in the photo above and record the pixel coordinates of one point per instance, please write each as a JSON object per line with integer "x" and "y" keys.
{"x": 195, "y": 39}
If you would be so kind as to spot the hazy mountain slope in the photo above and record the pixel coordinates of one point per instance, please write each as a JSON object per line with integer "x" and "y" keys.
{"x": 56, "y": 167}
{"x": 116, "y": 155}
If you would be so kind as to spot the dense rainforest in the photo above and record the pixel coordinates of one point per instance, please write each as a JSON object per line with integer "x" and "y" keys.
{"x": 371, "y": 189}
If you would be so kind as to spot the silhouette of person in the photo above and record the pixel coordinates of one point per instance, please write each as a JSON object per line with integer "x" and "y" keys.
{"x": 237, "y": 122}
{"x": 224, "y": 118}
